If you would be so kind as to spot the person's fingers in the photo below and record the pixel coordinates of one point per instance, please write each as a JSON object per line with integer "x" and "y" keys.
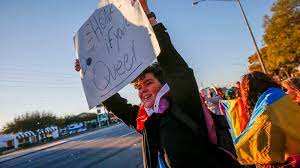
{"x": 77, "y": 65}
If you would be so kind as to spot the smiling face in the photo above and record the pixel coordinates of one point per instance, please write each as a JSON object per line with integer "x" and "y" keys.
{"x": 148, "y": 87}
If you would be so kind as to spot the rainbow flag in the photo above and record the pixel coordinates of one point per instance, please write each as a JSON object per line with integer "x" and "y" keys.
{"x": 273, "y": 132}
{"x": 236, "y": 116}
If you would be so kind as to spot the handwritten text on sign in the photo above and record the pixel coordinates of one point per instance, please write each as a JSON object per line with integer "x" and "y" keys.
{"x": 114, "y": 46}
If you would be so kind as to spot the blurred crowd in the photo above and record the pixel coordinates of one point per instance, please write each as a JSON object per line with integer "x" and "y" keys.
{"x": 263, "y": 118}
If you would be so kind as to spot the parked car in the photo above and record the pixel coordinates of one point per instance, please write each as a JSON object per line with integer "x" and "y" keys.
{"x": 75, "y": 128}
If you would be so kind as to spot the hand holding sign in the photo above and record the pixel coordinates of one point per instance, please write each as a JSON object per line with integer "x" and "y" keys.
{"x": 114, "y": 46}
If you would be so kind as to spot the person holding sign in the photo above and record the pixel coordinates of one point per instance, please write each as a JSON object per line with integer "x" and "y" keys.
{"x": 170, "y": 117}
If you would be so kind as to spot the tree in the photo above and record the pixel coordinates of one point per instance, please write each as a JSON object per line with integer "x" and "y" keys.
{"x": 71, "y": 119}
{"x": 87, "y": 116}
{"x": 254, "y": 61}
{"x": 30, "y": 121}
{"x": 282, "y": 35}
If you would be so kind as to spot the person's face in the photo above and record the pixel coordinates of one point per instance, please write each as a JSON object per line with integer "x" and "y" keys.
{"x": 148, "y": 87}
{"x": 238, "y": 85}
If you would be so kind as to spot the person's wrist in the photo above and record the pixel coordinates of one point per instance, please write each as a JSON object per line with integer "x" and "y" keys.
{"x": 151, "y": 15}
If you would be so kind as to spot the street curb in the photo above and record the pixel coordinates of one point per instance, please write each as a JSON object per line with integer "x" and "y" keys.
{"x": 8, "y": 158}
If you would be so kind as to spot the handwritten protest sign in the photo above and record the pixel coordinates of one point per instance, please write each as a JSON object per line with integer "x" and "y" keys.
{"x": 114, "y": 46}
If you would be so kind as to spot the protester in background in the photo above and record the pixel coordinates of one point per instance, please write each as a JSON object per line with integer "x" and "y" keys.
{"x": 220, "y": 92}
{"x": 271, "y": 137}
{"x": 292, "y": 86}
{"x": 212, "y": 101}
{"x": 170, "y": 117}
{"x": 238, "y": 89}
{"x": 252, "y": 86}
{"x": 230, "y": 93}
{"x": 234, "y": 110}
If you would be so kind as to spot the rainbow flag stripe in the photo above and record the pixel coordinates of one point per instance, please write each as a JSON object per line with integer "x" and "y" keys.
{"x": 235, "y": 113}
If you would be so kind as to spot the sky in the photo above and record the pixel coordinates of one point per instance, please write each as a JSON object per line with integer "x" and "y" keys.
{"x": 37, "y": 52}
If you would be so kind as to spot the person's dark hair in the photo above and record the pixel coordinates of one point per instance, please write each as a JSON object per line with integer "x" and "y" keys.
{"x": 230, "y": 94}
{"x": 211, "y": 93}
{"x": 220, "y": 93}
{"x": 156, "y": 70}
{"x": 253, "y": 85}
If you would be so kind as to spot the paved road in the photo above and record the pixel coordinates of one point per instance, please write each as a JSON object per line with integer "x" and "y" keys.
{"x": 114, "y": 147}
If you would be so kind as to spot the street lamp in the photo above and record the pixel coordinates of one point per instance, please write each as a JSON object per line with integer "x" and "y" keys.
{"x": 249, "y": 28}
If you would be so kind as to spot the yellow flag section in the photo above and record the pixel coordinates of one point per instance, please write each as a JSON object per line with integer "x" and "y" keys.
{"x": 273, "y": 132}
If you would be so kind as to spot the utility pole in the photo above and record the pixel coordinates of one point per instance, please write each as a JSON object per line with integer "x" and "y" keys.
{"x": 254, "y": 41}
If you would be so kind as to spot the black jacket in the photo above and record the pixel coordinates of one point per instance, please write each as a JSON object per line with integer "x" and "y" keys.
{"x": 180, "y": 134}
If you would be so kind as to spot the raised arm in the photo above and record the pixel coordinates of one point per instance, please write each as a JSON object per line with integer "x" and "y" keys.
{"x": 179, "y": 76}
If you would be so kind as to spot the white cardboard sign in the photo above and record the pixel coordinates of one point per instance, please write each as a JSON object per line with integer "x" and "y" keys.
{"x": 114, "y": 46}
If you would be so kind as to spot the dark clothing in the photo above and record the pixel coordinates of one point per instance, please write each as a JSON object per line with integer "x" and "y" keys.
{"x": 167, "y": 133}
{"x": 223, "y": 135}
